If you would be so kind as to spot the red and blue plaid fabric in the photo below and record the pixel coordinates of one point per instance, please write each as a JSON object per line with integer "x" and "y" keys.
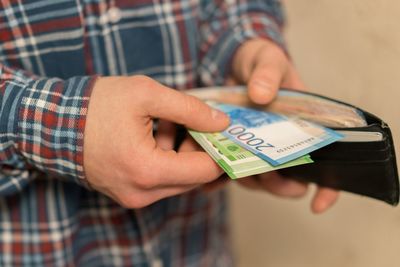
{"x": 50, "y": 53}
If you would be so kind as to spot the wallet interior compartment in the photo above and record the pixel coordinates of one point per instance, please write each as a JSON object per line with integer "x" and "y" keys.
{"x": 361, "y": 151}
{"x": 374, "y": 179}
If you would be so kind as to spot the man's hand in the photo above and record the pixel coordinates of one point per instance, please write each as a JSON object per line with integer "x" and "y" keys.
{"x": 264, "y": 67}
{"x": 122, "y": 158}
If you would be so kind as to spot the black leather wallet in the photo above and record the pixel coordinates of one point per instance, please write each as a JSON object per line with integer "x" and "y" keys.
{"x": 364, "y": 162}
{"x": 363, "y": 167}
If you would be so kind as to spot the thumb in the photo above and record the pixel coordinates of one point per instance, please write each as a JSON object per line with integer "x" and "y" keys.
{"x": 187, "y": 110}
{"x": 264, "y": 82}
{"x": 267, "y": 76}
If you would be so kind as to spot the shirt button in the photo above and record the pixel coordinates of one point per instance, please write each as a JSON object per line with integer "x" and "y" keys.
{"x": 114, "y": 14}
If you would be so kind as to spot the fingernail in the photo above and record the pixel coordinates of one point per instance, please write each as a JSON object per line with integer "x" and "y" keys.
{"x": 263, "y": 88}
{"x": 218, "y": 115}
{"x": 319, "y": 207}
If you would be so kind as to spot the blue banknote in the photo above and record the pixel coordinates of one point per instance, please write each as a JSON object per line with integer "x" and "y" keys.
{"x": 274, "y": 137}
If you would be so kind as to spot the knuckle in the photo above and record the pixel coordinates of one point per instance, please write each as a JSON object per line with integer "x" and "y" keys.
{"x": 143, "y": 83}
{"x": 139, "y": 169}
{"x": 145, "y": 178}
{"x": 272, "y": 50}
{"x": 192, "y": 105}
{"x": 142, "y": 79}
{"x": 135, "y": 201}
{"x": 145, "y": 183}
{"x": 266, "y": 78}
{"x": 146, "y": 91}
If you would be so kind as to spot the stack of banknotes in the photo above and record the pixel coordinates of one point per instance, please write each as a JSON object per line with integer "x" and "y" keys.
{"x": 260, "y": 141}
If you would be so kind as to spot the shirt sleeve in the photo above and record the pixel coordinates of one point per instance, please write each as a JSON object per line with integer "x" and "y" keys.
{"x": 226, "y": 24}
{"x": 41, "y": 127}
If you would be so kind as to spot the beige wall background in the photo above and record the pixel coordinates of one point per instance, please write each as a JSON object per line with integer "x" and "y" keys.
{"x": 348, "y": 50}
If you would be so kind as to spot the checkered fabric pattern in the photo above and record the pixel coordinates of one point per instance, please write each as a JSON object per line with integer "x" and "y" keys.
{"x": 50, "y": 54}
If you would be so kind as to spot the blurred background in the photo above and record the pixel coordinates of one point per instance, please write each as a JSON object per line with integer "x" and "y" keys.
{"x": 349, "y": 50}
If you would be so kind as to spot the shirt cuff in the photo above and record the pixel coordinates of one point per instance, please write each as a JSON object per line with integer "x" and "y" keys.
{"x": 51, "y": 123}
{"x": 42, "y": 124}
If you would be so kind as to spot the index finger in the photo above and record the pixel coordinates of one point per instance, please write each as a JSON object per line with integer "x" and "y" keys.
{"x": 184, "y": 109}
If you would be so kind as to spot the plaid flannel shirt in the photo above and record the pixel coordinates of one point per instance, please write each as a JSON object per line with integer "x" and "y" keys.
{"x": 50, "y": 54}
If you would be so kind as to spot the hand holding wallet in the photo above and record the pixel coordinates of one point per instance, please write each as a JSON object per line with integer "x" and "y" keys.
{"x": 364, "y": 162}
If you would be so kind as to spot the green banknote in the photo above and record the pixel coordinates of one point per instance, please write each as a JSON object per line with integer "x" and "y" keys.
{"x": 236, "y": 161}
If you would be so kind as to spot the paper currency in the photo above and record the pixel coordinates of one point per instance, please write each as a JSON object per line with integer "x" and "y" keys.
{"x": 236, "y": 161}
{"x": 273, "y": 137}
{"x": 299, "y": 104}
{"x": 317, "y": 109}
